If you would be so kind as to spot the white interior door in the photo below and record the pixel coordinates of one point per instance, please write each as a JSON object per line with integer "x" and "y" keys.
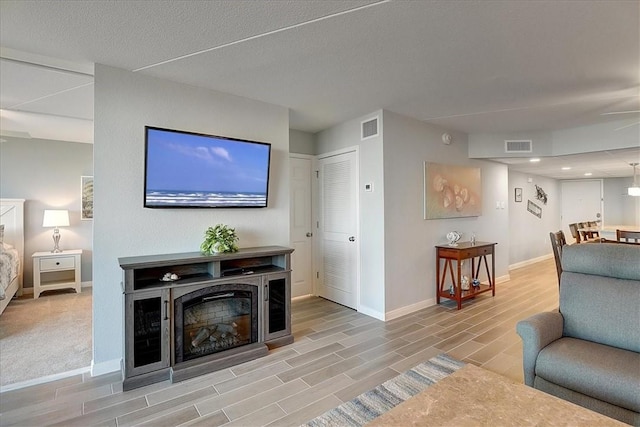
{"x": 581, "y": 201}
{"x": 337, "y": 228}
{"x": 301, "y": 230}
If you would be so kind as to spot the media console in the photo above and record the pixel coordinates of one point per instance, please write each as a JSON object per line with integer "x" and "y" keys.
{"x": 218, "y": 311}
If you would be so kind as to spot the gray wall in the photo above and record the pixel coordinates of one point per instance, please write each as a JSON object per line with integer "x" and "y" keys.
{"x": 558, "y": 143}
{"x": 409, "y": 239}
{"x": 396, "y": 244}
{"x": 301, "y": 142}
{"x": 47, "y": 175}
{"x": 372, "y": 211}
{"x": 529, "y": 235}
{"x": 124, "y": 103}
{"x": 620, "y": 208}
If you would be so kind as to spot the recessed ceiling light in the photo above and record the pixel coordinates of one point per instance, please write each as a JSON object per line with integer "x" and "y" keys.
{"x": 535, "y": 159}
{"x": 588, "y": 174}
{"x": 566, "y": 168}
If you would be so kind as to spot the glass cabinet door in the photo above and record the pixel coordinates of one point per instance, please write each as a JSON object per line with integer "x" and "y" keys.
{"x": 277, "y": 306}
{"x": 147, "y": 343}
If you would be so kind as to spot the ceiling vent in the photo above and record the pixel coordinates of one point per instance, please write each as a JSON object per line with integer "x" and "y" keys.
{"x": 369, "y": 129}
{"x": 518, "y": 146}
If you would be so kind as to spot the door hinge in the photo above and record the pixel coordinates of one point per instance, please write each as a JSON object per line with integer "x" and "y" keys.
{"x": 317, "y": 274}
{"x": 317, "y": 224}
{"x": 317, "y": 174}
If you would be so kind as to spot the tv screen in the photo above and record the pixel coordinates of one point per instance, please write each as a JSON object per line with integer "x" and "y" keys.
{"x": 190, "y": 170}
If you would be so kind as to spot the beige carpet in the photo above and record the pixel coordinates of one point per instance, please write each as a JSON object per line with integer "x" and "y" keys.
{"x": 46, "y": 336}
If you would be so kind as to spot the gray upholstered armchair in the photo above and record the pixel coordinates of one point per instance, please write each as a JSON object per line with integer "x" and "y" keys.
{"x": 589, "y": 352}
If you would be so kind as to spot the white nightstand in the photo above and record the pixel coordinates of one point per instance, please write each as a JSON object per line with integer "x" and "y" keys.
{"x": 56, "y": 271}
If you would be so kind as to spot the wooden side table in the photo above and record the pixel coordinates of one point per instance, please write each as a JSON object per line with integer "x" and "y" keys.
{"x": 56, "y": 271}
{"x": 445, "y": 255}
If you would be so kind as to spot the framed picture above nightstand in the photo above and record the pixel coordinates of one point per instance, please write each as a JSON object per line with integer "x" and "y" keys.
{"x": 60, "y": 270}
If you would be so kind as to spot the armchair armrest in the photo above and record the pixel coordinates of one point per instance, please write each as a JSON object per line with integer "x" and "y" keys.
{"x": 537, "y": 332}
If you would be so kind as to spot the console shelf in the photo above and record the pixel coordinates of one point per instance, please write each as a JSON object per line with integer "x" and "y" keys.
{"x": 449, "y": 279}
{"x": 149, "y": 307}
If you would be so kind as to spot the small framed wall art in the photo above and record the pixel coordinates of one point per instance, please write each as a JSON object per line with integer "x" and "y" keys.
{"x": 86, "y": 194}
{"x": 518, "y": 194}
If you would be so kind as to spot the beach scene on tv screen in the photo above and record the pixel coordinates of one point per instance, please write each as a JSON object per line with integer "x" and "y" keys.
{"x": 187, "y": 170}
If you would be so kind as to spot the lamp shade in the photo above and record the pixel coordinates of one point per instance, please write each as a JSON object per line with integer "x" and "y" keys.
{"x": 55, "y": 218}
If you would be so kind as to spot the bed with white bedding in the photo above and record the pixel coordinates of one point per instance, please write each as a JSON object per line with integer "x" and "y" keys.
{"x": 11, "y": 249}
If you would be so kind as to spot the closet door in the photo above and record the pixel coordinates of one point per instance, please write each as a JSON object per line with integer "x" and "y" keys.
{"x": 338, "y": 229}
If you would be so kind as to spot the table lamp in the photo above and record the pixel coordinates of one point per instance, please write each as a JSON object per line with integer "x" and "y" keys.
{"x": 56, "y": 218}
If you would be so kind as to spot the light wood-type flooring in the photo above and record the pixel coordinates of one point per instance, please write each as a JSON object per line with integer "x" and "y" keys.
{"x": 337, "y": 354}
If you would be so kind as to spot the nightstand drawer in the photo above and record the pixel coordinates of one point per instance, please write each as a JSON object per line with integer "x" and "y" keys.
{"x": 57, "y": 263}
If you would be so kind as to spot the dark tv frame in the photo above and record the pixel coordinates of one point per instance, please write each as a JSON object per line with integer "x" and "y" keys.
{"x": 146, "y": 155}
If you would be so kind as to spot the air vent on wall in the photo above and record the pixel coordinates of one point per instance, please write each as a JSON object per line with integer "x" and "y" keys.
{"x": 369, "y": 128}
{"x": 518, "y": 146}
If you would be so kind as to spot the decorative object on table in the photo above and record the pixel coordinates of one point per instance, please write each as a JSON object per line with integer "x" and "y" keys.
{"x": 86, "y": 193}
{"x": 475, "y": 283}
{"x": 453, "y": 237}
{"x": 517, "y": 194}
{"x": 170, "y": 277}
{"x": 451, "y": 191}
{"x": 473, "y": 238}
{"x": 464, "y": 283}
{"x": 56, "y": 218}
{"x": 541, "y": 195}
{"x": 452, "y": 290}
{"x": 534, "y": 209}
{"x": 218, "y": 239}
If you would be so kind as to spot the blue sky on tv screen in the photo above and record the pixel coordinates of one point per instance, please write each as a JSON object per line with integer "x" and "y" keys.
{"x": 186, "y": 162}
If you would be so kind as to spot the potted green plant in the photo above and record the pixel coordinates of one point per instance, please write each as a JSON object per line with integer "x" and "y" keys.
{"x": 219, "y": 239}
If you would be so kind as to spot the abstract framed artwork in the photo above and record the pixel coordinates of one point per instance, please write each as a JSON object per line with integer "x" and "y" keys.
{"x": 451, "y": 191}
{"x": 86, "y": 197}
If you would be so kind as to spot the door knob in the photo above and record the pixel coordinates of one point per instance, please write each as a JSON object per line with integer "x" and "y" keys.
{"x": 309, "y": 234}
{"x": 352, "y": 239}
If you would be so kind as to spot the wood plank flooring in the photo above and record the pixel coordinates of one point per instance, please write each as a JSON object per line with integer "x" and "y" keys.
{"x": 337, "y": 354}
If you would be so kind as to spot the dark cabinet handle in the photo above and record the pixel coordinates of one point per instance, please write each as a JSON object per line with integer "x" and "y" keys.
{"x": 166, "y": 310}
{"x": 58, "y": 263}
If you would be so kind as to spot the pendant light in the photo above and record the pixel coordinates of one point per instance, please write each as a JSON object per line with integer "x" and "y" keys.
{"x": 634, "y": 190}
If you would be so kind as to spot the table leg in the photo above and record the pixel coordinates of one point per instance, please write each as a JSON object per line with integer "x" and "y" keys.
{"x": 438, "y": 284}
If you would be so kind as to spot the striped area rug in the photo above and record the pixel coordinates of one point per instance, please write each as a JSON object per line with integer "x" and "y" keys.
{"x": 373, "y": 403}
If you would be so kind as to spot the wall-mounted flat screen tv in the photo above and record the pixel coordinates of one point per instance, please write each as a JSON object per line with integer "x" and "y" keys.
{"x": 191, "y": 170}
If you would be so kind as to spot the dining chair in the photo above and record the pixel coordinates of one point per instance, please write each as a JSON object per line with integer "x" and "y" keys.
{"x": 574, "y": 232}
{"x": 626, "y": 236}
{"x": 584, "y": 234}
{"x": 557, "y": 242}
{"x": 594, "y": 224}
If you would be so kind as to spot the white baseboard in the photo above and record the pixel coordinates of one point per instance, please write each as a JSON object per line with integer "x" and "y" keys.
{"x": 43, "y": 380}
{"x": 106, "y": 367}
{"x": 503, "y": 279}
{"x": 88, "y": 284}
{"x": 371, "y": 312}
{"x": 530, "y": 261}
{"x": 403, "y": 311}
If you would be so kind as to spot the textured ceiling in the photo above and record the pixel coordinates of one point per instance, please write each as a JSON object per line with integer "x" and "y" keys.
{"x": 476, "y": 67}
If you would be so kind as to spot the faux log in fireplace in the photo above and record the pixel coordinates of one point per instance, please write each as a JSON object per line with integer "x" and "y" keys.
{"x": 221, "y": 310}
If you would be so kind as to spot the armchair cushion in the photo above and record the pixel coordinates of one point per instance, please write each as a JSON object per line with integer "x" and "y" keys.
{"x": 606, "y": 373}
{"x": 603, "y": 311}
